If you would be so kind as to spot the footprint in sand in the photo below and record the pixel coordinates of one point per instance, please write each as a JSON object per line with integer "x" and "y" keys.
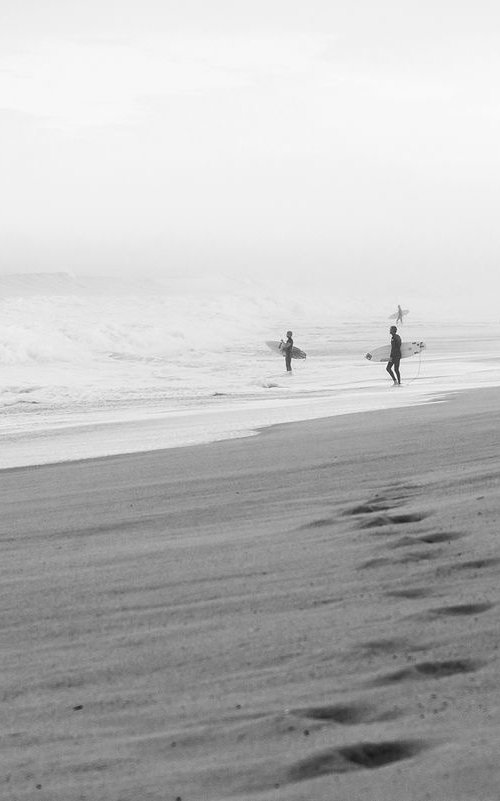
{"x": 346, "y": 714}
{"x": 428, "y": 670}
{"x": 369, "y": 508}
{"x": 436, "y": 538}
{"x": 441, "y": 536}
{"x": 471, "y": 564}
{"x": 457, "y": 610}
{"x": 393, "y": 520}
{"x": 360, "y": 756}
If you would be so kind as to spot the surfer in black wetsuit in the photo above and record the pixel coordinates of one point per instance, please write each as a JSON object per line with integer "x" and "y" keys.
{"x": 287, "y": 351}
{"x": 395, "y": 356}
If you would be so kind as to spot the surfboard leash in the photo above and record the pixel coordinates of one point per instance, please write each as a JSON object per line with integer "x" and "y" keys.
{"x": 418, "y": 371}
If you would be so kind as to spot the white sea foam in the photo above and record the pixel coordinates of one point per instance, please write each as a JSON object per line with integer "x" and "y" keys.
{"x": 95, "y": 366}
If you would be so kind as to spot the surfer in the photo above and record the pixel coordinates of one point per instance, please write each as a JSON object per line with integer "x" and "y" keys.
{"x": 286, "y": 348}
{"x": 399, "y": 318}
{"x": 395, "y": 356}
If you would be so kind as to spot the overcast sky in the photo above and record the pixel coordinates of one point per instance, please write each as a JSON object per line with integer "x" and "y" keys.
{"x": 355, "y": 137}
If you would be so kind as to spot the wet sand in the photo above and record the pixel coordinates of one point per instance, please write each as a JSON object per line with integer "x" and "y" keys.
{"x": 308, "y": 614}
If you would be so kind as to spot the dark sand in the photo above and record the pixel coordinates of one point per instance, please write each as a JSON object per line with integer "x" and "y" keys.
{"x": 307, "y": 614}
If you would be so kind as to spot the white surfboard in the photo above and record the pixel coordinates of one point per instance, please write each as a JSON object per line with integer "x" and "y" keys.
{"x": 396, "y": 314}
{"x": 383, "y": 353}
{"x": 277, "y": 347}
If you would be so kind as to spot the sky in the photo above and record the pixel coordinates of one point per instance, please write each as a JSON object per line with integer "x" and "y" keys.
{"x": 355, "y": 142}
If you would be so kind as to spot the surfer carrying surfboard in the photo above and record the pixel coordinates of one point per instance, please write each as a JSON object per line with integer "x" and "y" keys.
{"x": 399, "y": 318}
{"x": 287, "y": 348}
{"x": 395, "y": 356}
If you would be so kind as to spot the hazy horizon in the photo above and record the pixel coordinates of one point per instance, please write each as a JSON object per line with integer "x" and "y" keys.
{"x": 354, "y": 144}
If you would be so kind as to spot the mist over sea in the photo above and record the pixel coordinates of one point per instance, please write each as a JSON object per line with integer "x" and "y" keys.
{"x": 93, "y": 366}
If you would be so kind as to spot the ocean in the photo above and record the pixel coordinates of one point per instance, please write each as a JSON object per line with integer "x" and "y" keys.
{"x": 99, "y": 366}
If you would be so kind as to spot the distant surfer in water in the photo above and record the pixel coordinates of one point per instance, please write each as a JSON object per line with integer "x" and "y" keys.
{"x": 399, "y": 318}
{"x": 395, "y": 356}
{"x": 286, "y": 348}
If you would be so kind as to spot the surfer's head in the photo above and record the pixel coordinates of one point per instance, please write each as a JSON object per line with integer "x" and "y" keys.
{"x": 393, "y": 329}
{"x": 289, "y": 333}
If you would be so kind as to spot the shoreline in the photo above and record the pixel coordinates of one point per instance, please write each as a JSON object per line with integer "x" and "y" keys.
{"x": 72, "y": 440}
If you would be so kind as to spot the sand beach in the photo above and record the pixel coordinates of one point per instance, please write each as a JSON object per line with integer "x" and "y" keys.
{"x": 305, "y": 615}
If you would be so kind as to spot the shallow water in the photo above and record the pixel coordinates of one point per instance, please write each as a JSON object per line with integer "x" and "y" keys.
{"x": 92, "y": 370}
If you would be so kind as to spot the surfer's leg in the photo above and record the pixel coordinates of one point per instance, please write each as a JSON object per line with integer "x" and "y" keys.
{"x": 288, "y": 362}
{"x": 389, "y": 370}
{"x": 396, "y": 370}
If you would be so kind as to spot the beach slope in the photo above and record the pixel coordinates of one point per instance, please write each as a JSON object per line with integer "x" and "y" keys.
{"x": 311, "y": 613}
